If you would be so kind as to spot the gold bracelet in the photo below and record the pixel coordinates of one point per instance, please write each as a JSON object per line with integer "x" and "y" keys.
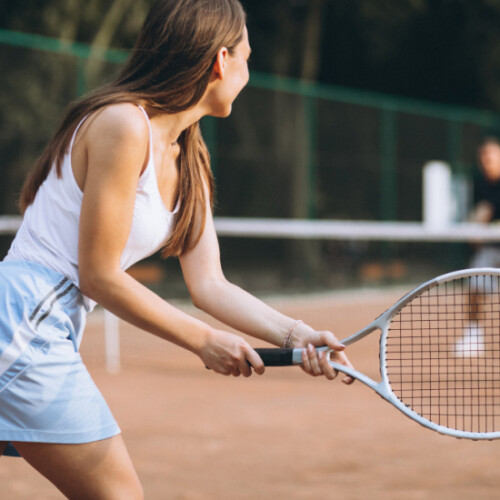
{"x": 288, "y": 339}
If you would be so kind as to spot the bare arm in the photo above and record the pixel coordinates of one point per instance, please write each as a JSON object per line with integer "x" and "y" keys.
{"x": 211, "y": 292}
{"x": 482, "y": 213}
{"x": 116, "y": 153}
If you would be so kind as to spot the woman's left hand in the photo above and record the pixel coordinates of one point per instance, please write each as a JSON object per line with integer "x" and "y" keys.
{"x": 316, "y": 363}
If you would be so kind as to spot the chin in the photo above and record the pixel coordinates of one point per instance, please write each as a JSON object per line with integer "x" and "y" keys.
{"x": 222, "y": 111}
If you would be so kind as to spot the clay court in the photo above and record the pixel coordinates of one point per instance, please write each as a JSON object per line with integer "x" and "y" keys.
{"x": 194, "y": 435}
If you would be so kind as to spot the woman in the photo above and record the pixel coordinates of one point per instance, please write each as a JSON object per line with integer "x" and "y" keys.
{"x": 126, "y": 174}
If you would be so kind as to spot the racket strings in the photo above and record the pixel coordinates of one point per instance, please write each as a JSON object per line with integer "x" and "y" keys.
{"x": 442, "y": 354}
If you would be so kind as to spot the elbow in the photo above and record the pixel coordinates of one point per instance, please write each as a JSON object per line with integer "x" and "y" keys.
{"x": 197, "y": 297}
{"x": 94, "y": 283}
{"x": 204, "y": 292}
{"x": 89, "y": 285}
{"x": 198, "y": 304}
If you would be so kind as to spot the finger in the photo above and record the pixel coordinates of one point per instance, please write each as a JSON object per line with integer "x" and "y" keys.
{"x": 220, "y": 370}
{"x": 313, "y": 360}
{"x": 340, "y": 357}
{"x": 331, "y": 341}
{"x": 328, "y": 370}
{"x": 245, "y": 368}
{"x": 255, "y": 361}
{"x": 306, "y": 364}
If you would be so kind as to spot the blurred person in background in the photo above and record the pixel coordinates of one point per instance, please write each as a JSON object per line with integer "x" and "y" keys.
{"x": 487, "y": 197}
{"x": 486, "y": 211}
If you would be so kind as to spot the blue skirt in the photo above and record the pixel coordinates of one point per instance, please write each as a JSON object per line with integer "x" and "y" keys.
{"x": 46, "y": 393}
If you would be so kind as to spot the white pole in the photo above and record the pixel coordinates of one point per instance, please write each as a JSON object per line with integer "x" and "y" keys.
{"x": 112, "y": 342}
{"x": 437, "y": 195}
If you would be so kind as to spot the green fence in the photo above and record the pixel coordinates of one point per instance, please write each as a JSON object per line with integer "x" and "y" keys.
{"x": 320, "y": 151}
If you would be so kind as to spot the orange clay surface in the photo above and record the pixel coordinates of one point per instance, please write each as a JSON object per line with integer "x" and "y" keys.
{"x": 195, "y": 435}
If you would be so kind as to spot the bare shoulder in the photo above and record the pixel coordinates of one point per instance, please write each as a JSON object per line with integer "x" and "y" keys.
{"x": 118, "y": 124}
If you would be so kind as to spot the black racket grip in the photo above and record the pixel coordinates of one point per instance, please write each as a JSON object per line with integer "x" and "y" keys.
{"x": 276, "y": 356}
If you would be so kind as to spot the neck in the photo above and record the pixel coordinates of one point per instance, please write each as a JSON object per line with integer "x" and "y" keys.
{"x": 172, "y": 125}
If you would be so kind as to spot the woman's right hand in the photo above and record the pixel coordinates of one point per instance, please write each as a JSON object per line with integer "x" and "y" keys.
{"x": 229, "y": 354}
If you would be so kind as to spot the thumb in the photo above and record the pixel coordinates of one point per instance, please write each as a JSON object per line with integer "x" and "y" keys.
{"x": 331, "y": 341}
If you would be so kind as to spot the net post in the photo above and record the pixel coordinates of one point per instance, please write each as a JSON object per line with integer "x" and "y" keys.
{"x": 112, "y": 342}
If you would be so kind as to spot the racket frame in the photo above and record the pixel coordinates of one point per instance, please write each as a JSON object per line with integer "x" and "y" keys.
{"x": 382, "y": 323}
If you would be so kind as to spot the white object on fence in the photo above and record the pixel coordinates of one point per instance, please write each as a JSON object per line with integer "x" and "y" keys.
{"x": 437, "y": 195}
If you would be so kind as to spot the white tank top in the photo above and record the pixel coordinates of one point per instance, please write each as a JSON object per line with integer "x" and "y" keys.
{"x": 49, "y": 231}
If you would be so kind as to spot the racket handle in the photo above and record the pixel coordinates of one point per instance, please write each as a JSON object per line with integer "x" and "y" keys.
{"x": 276, "y": 356}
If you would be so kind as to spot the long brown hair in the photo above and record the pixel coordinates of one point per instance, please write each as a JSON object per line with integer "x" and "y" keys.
{"x": 169, "y": 70}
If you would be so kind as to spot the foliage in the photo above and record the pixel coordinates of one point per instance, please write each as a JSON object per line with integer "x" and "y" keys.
{"x": 441, "y": 50}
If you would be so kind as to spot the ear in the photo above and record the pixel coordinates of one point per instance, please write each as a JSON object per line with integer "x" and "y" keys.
{"x": 219, "y": 69}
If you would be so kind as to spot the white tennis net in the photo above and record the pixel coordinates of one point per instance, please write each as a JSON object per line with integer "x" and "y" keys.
{"x": 304, "y": 229}
{"x": 112, "y": 346}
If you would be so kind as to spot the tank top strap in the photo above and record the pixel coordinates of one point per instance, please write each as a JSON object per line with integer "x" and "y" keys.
{"x": 150, "y": 134}
{"x": 147, "y": 119}
{"x": 70, "y": 148}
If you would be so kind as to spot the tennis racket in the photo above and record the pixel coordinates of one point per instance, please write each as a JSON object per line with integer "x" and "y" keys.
{"x": 439, "y": 354}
